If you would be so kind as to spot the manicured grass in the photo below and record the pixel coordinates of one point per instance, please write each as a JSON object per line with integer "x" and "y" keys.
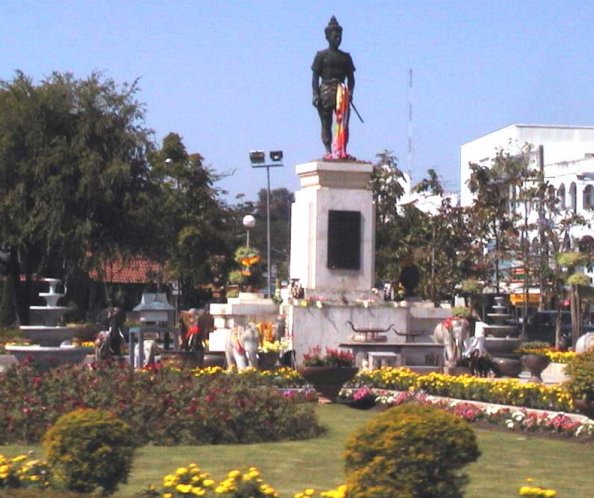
{"x": 507, "y": 460}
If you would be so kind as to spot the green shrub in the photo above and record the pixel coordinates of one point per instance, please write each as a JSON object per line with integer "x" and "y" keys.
{"x": 580, "y": 370}
{"x": 410, "y": 451}
{"x": 86, "y": 449}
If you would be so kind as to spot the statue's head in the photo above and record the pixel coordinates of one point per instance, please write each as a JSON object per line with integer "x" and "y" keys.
{"x": 333, "y": 32}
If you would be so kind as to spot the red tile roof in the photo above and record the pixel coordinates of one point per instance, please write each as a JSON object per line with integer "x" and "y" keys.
{"x": 132, "y": 271}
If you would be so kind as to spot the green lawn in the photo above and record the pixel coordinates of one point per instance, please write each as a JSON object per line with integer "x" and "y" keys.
{"x": 507, "y": 460}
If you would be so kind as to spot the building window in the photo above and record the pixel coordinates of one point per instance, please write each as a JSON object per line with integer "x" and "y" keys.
{"x": 561, "y": 195}
{"x": 588, "y": 197}
{"x": 573, "y": 197}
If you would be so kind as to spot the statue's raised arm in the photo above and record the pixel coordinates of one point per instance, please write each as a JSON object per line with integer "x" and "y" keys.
{"x": 333, "y": 83}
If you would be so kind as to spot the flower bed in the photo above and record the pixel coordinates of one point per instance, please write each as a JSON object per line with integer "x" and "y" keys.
{"x": 516, "y": 419}
{"x": 164, "y": 406}
{"x": 500, "y": 391}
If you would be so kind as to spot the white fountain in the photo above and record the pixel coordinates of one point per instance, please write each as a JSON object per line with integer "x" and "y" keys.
{"x": 48, "y": 349}
{"x": 501, "y": 340}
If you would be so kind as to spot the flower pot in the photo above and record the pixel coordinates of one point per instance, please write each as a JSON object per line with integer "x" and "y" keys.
{"x": 585, "y": 407}
{"x": 267, "y": 360}
{"x": 328, "y": 381}
{"x": 535, "y": 364}
{"x": 508, "y": 367}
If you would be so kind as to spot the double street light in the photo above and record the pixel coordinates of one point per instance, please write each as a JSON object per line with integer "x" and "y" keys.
{"x": 258, "y": 160}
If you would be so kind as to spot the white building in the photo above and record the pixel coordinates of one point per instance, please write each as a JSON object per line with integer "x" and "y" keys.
{"x": 426, "y": 202}
{"x": 568, "y": 164}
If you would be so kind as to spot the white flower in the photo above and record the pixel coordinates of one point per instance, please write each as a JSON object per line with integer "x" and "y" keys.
{"x": 491, "y": 410}
{"x": 509, "y": 423}
{"x": 518, "y": 416}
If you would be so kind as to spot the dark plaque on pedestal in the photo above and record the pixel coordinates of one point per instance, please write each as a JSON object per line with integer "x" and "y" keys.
{"x": 344, "y": 240}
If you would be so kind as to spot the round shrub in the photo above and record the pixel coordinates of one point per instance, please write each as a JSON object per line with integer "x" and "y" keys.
{"x": 580, "y": 370}
{"x": 410, "y": 451}
{"x": 86, "y": 449}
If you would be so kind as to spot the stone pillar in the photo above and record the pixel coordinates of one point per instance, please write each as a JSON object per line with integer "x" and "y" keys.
{"x": 333, "y": 228}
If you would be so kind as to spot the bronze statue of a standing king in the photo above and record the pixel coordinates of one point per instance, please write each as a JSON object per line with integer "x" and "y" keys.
{"x": 331, "y": 96}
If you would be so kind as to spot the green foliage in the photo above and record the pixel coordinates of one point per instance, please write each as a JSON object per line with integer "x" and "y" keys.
{"x": 580, "y": 370}
{"x": 461, "y": 311}
{"x": 86, "y": 449}
{"x": 410, "y": 451}
{"x": 572, "y": 259}
{"x": 472, "y": 286}
{"x": 7, "y": 314}
{"x": 194, "y": 235}
{"x": 579, "y": 279}
{"x": 73, "y": 174}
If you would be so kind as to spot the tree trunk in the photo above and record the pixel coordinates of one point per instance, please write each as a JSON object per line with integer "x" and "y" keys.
{"x": 574, "y": 315}
{"x": 20, "y": 290}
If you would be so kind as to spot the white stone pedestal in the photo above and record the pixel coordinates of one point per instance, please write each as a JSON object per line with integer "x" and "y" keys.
{"x": 336, "y": 186}
{"x": 247, "y": 306}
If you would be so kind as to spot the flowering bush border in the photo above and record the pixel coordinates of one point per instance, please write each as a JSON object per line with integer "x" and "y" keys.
{"x": 183, "y": 407}
{"x": 515, "y": 419}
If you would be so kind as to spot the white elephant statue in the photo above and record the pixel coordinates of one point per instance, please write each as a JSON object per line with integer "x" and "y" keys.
{"x": 241, "y": 346}
{"x": 584, "y": 342}
{"x": 452, "y": 333}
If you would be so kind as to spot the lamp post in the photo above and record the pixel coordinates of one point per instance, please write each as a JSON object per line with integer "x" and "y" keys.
{"x": 248, "y": 222}
{"x": 258, "y": 160}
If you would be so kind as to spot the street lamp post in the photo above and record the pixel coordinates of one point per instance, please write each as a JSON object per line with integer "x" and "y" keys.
{"x": 258, "y": 160}
{"x": 248, "y": 222}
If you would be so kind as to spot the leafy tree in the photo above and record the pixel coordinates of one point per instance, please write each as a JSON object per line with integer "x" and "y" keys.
{"x": 193, "y": 237}
{"x": 495, "y": 208}
{"x": 73, "y": 175}
{"x": 385, "y": 183}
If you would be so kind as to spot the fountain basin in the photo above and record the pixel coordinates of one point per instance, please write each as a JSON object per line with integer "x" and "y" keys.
{"x": 501, "y": 330}
{"x": 44, "y": 358}
{"x": 497, "y": 346}
{"x": 47, "y": 336}
{"x": 48, "y": 315}
{"x": 51, "y": 299}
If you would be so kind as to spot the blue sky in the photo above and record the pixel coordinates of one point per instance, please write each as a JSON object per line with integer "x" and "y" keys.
{"x": 233, "y": 76}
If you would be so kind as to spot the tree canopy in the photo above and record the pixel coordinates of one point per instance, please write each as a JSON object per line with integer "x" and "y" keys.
{"x": 74, "y": 174}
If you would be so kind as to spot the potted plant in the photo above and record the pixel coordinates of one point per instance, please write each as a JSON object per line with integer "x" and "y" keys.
{"x": 268, "y": 354}
{"x": 580, "y": 370}
{"x": 534, "y": 358}
{"x": 328, "y": 371}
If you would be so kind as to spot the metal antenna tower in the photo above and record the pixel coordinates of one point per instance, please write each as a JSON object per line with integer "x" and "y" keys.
{"x": 410, "y": 124}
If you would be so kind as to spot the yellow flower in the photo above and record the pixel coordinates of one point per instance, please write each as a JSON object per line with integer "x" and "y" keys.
{"x": 183, "y": 488}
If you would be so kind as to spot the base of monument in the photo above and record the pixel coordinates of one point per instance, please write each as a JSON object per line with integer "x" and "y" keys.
{"x": 366, "y": 337}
